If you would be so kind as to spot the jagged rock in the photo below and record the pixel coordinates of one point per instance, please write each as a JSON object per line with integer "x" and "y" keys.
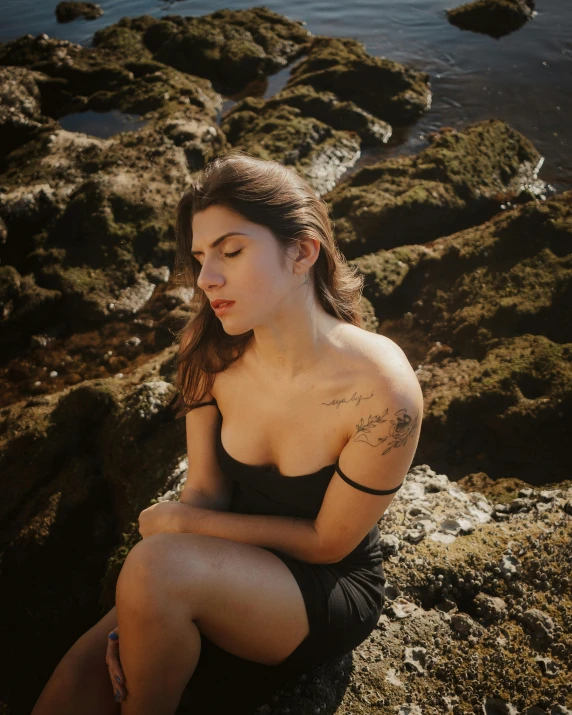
{"x": 384, "y": 88}
{"x": 460, "y": 180}
{"x": 21, "y": 116}
{"x": 229, "y": 47}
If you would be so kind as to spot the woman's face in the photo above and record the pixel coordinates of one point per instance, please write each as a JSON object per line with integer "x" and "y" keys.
{"x": 244, "y": 267}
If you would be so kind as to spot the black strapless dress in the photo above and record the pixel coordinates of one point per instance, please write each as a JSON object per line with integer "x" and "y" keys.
{"x": 343, "y": 600}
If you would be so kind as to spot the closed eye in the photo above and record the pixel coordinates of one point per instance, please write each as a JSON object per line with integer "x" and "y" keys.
{"x": 227, "y": 255}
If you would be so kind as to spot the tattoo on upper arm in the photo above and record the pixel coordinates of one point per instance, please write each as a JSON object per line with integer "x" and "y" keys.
{"x": 401, "y": 428}
{"x": 399, "y": 431}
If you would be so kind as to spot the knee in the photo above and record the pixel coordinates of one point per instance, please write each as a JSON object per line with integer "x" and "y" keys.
{"x": 149, "y": 571}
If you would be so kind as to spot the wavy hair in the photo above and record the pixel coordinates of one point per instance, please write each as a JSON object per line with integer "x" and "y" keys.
{"x": 273, "y": 195}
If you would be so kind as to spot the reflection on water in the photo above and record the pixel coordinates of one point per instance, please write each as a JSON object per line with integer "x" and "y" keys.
{"x": 101, "y": 124}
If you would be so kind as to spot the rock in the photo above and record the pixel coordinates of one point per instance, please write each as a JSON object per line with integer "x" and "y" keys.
{"x": 69, "y": 10}
{"x": 498, "y": 706}
{"x": 549, "y": 667}
{"x": 389, "y": 543}
{"x": 229, "y": 47}
{"x": 24, "y": 306}
{"x": 21, "y": 117}
{"x": 540, "y": 624}
{"x": 396, "y": 94}
{"x": 436, "y": 290}
{"x": 416, "y": 659}
{"x": 492, "y": 17}
{"x": 492, "y": 608}
{"x": 510, "y": 565}
{"x": 319, "y": 153}
{"x": 452, "y": 185}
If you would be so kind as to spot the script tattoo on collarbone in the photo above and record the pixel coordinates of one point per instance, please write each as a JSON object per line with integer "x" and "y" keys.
{"x": 353, "y": 398}
{"x": 400, "y": 428}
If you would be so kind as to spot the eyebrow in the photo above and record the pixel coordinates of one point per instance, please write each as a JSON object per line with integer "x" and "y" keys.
{"x": 220, "y": 239}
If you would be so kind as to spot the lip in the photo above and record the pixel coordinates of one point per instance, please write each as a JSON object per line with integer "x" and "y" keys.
{"x": 222, "y": 309}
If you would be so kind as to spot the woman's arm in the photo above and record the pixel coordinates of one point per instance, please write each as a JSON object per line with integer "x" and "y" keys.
{"x": 293, "y": 535}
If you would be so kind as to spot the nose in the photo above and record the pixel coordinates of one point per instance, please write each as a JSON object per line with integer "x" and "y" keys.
{"x": 208, "y": 278}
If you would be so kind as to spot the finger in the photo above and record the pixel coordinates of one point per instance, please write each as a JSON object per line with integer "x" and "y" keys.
{"x": 114, "y": 666}
{"x": 119, "y": 690}
{"x": 117, "y": 677}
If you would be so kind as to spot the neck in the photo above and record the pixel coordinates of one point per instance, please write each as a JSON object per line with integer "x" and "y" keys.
{"x": 293, "y": 345}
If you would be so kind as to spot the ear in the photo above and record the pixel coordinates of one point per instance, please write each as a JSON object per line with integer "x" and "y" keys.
{"x": 308, "y": 250}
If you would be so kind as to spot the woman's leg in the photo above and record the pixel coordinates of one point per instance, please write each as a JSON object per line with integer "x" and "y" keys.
{"x": 174, "y": 586}
{"x": 81, "y": 682}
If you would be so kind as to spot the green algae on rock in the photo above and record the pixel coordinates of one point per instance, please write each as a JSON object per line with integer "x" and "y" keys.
{"x": 506, "y": 277}
{"x": 460, "y": 180}
{"x": 77, "y": 78}
{"x": 315, "y": 132}
{"x": 507, "y": 414}
{"x": 387, "y": 89}
{"x": 283, "y": 133}
{"x": 21, "y": 117}
{"x": 492, "y": 17}
{"x": 69, "y": 10}
{"x": 229, "y": 47}
{"x": 494, "y": 301}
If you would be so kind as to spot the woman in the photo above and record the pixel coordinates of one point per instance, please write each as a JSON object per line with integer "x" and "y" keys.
{"x": 308, "y": 425}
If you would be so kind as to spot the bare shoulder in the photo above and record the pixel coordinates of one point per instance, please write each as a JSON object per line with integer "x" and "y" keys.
{"x": 385, "y": 389}
{"x": 381, "y": 360}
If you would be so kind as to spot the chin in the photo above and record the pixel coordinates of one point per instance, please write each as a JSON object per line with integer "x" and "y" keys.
{"x": 231, "y": 327}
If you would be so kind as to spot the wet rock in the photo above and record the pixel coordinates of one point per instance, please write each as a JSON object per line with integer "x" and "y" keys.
{"x": 69, "y": 10}
{"x": 460, "y": 180}
{"x": 384, "y": 88}
{"x": 21, "y": 116}
{"x": 319, "y": 153}
{"x": 492, "y": 17}
{"x": 24, "y": 306}
{"x": 80, "y": 78}
{"x": 229, "y": 47}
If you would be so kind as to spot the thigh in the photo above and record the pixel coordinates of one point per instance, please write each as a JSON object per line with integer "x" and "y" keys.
{"x": 242, "y": 597}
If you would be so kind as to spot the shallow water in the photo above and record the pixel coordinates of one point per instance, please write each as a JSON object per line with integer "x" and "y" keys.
{"x": 101, "y": 124}
{"x": 524, "y": 78}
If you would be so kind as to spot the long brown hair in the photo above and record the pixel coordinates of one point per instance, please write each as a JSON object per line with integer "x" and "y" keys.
{"x": 269, "y": 194}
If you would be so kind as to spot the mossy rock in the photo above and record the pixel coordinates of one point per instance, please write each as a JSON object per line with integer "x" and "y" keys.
{"x": 460, "y": 180}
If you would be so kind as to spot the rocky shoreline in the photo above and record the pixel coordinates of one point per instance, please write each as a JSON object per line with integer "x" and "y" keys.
{"x": 466, "y": 254}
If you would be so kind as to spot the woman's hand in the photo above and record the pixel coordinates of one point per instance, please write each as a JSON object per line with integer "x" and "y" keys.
{"x": 167, "y": 516}
{"x": 114, "y": 666}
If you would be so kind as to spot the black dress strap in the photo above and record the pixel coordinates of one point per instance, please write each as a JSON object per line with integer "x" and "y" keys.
{"x": 369, "y": 490}
{"x": 203, "y": 404}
